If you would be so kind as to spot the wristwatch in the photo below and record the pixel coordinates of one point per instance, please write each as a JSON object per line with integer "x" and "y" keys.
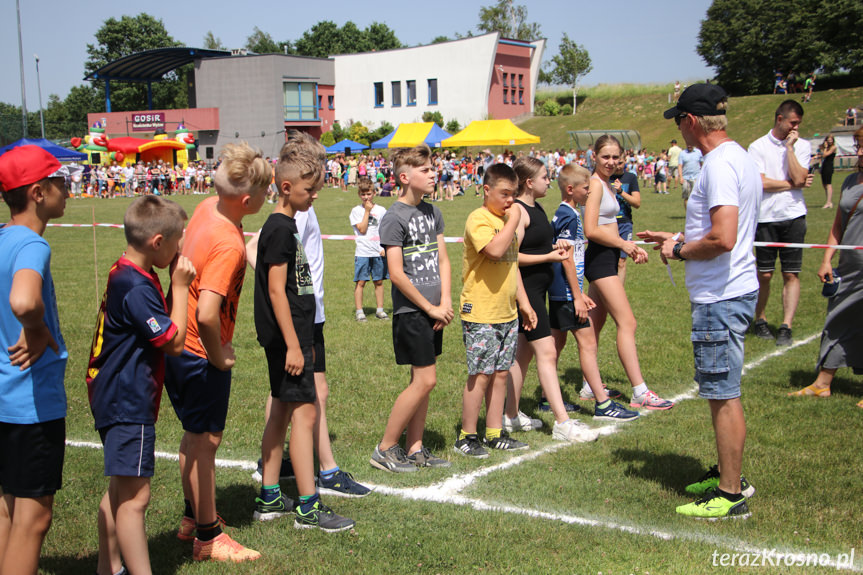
{"x": 675, "y": 251}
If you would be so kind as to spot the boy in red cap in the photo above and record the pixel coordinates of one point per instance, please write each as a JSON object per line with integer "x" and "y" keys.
{"x": 32, "y": 358}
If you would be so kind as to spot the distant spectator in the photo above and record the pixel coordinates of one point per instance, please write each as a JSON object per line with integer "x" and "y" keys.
{"x": 851, "y": 116}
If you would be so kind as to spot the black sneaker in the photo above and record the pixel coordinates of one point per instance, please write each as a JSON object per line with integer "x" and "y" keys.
{"x": 783, "y": 337}
{"x": 761, "y": 329}
{"x": 267, "y": 511}
{"x": 425, "y": 458}
{"x": 323, "y": 518}
{"x": 504, "y": 443}
{"x": 471, "y": 447}
{"x": 286, "y": 471}
{"x": 342, "y": 484}
{"x": 569, "y": 407}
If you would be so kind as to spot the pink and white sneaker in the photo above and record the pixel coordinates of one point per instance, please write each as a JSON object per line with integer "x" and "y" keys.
{"x": 651, "y": 401}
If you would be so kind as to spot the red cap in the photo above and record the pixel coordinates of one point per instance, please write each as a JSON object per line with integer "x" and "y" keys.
{"x": 26, "y": 165}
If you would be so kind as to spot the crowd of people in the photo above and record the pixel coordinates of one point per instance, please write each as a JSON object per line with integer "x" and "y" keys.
{"x": 142, "y": 178}
{"x": 523, "y": 293}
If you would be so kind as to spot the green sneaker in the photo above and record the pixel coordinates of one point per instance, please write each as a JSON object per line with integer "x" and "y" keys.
{"x": 710, "y": 481}
{"x": 267, "y": 511}
{"x": 714, "y": 506}
{"x": 323, "y": 518}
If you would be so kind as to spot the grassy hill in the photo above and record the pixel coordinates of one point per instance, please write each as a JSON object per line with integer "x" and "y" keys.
{"x": 749, "y": 116}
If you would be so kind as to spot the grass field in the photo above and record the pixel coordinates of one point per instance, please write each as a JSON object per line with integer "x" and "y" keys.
{"x": 606, "y": 507}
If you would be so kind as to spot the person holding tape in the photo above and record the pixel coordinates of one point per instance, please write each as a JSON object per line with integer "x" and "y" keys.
{"x": 723, "y": 288}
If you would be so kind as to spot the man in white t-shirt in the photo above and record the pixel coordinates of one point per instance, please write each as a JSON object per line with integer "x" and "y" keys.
{"x": 783, "y": 161}
{"x": 721, "y": 218}
{"x": 369, "y": 262}
{"x": 674, "y": 163}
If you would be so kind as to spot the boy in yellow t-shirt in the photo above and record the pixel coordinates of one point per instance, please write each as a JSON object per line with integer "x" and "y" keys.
{"x": 491, "y": 286}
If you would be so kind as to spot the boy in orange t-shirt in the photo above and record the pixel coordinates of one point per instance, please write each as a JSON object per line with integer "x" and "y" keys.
{"x": 199, "y": 381}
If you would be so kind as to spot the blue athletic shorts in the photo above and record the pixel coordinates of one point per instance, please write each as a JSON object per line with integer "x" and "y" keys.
{"x": 129, "y": 449}
{"x": 624, "y": 230}
{"x": 199, "y": 392}
{"x": 718, "y": 330}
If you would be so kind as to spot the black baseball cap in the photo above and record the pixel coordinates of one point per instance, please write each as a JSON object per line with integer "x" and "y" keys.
{"x": 698, "y": 100}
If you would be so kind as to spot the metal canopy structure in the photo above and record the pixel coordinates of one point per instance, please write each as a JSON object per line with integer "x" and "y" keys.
{"x": 149, "y": 66}
{"x": 584, "y": 139}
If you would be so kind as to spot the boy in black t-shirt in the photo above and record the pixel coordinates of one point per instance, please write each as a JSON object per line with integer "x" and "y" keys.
{"x": 285, "y": 319}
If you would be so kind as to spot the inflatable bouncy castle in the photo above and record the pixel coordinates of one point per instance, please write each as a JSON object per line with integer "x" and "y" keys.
{"x": 127, "y": 150}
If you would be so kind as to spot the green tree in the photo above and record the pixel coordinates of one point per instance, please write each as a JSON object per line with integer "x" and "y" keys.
{"x": 746, "y": 41}
{"x": 440, "y": 39}
{"x": 383, "y": 130}
{"x": 453, "y": 127}
{"x": 508, "y": 19}
{"x": 327, "y": 139}
{"x": 325, "y": 39}
{"x": 339, "y": 133}
{"x": 571, "y": 63}
{"x": 435, "y": 117}
{"x": 358, "y": 133}
{"x": 261, "y": 42}
{"x": 213, "y": 42}
{"x": 128, "y": 35}
{"x": 80, "y": 101}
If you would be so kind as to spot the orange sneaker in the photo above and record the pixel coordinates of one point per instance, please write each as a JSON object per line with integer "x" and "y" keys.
{"x": 188, "y": 527}
{"x": 222, "y": 548}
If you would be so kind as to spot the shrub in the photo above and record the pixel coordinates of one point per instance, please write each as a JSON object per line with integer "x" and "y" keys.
{"x": 327, "y": 139}
{"x": 566, "y": 110}
{"x": 453, "y": 127}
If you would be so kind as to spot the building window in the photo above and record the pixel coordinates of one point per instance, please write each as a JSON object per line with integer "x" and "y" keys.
{"x": 320, "y": 102}
{"x": 300, "y": 100}
{"x": 397, "y": 94}
{"x": 432, "y": 91}
{"x": 520, "y": 80}
{"x": 505, "y": 96}
{"x": 512, "y": 96}
{"x": 332, "y": 102}
{"x": 521, "y": 96}
{"x": 505, "y": 76}
{"x": 379, "y": 94}
{"x": 412, "y": 92}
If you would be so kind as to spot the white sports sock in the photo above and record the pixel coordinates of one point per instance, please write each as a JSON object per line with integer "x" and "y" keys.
{"x": 639, "y": 389}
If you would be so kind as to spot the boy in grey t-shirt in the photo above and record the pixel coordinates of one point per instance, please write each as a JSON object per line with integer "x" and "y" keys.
{"x": 412, "y": 233}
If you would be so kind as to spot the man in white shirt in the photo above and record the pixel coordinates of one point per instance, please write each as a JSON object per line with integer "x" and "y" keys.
{"x": 674, "y": 174}
{"x": 721, "y": 217}
{"x": 783, "y": 160}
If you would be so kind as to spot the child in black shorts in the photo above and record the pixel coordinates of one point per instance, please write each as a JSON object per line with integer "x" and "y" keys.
{"x": 412, "y": 234}
{"x": 285, "y": 321}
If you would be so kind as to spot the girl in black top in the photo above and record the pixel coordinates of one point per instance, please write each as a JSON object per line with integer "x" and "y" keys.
{"x": 535, "y": 256}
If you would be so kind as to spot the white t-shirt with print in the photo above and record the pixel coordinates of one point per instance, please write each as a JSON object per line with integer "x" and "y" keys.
{"x": 369, "y": 243}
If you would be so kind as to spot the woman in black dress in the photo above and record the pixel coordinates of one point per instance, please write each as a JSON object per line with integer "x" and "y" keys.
{"x": 827, "y": 151}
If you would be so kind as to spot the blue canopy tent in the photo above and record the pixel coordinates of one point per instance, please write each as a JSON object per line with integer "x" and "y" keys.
{"x": 346, "y": 146}
{"x": 59, "y": 152}
{"x": 410, "y": 135}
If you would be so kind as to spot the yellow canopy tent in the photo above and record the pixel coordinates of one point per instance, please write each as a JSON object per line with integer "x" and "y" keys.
{"x": 490, "y": 133}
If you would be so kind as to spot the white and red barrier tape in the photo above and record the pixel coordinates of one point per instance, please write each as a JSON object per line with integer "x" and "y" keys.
{"x": 457, "y": 240}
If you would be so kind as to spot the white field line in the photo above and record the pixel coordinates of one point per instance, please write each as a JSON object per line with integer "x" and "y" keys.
{"x": 449, "y": 490}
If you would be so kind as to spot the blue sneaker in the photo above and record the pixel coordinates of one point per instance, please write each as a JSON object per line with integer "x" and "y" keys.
{"x": 341, "y": 484}
{"x": 614, "y": 412}
{"x": 570, "y": 408}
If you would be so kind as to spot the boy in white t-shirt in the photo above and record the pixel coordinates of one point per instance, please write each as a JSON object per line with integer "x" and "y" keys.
{"x": 369, "y": 260}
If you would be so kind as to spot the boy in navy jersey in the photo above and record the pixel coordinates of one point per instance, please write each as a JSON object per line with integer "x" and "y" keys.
{"x": 134, "y": 330}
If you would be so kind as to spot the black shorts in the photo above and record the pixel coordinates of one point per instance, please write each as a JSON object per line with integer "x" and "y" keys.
{"x": 600, "y": 261}
{"x": 31, "y": 458}
{"x": 129, "y": 449}
{"x": 199, "y": 392}
{"x": 536, "y": 296}
{"x": 789, "y": 231}
{"x": 561, "y": 315}
{"x": 415, "y": 342}
{"x": 284, "y": 386}
{"x": 320, "y": 352}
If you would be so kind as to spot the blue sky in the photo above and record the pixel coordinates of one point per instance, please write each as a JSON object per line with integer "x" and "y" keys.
{"x": 628, "y": 40}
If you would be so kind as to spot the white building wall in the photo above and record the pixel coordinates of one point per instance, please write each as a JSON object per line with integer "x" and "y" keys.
{"x": 462, "y": 69}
